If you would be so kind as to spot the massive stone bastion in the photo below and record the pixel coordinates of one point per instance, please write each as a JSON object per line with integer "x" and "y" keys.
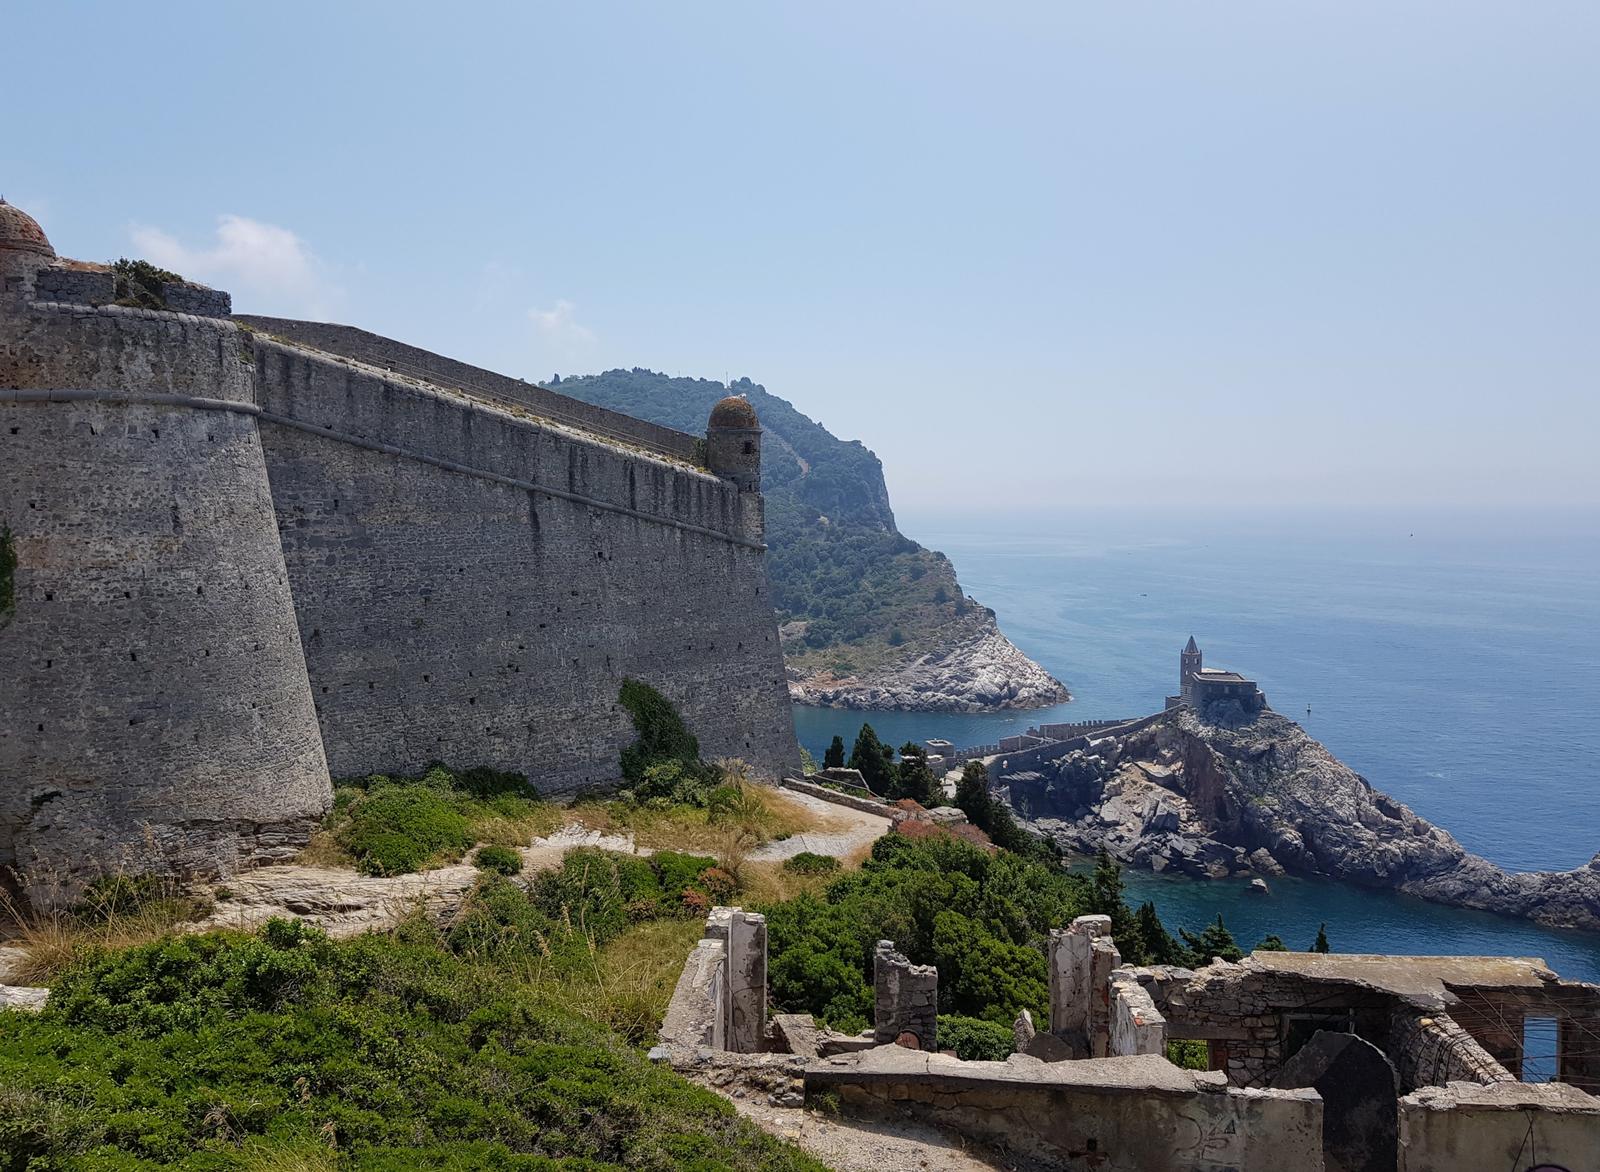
{"x": 239, "y": 556}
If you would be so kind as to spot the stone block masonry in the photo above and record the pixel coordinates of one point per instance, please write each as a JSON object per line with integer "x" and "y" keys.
{"x": 244, "y": 564}
{"x": 905, "y": 998}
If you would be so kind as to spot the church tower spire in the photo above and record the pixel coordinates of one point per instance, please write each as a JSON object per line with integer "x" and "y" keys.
{"x": 1189, "y": 663}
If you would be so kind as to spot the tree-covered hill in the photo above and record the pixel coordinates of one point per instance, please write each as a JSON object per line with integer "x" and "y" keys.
{"x": 852, "y": 592}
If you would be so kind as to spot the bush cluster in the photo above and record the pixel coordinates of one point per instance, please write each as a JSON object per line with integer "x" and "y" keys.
{"x": 410, "y": 1050}
{"x": 396, "y": 825}
{"x": 982, "y": 918}
{"x": 974, "y": 1039}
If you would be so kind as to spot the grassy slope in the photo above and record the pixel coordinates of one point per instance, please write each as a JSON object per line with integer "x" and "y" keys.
{"x": 859, "y": 591}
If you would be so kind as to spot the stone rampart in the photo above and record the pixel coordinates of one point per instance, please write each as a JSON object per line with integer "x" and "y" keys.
{"x": 388, "y": 354}
{"x": 242, "y": 563}
{"x": 473, "y": 586}
{"x": 158, "y": 712}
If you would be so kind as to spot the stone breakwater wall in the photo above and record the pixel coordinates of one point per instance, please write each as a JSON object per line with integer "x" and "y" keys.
{"x": 243, "y": 565}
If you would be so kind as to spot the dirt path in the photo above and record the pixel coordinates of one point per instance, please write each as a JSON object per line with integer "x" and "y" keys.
{"x": 845, "y": 831}
{"x": 856, "y": 1145}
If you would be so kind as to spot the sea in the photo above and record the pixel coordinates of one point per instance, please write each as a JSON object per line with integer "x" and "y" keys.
{"x": 1450, "y": 657}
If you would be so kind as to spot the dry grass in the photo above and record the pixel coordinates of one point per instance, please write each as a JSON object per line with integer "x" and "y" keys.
{"x": 760, "y": 814}
{"x": 770, "y": 883}
{"x": 52, "y": 939}
{"x": 633, "y": 977}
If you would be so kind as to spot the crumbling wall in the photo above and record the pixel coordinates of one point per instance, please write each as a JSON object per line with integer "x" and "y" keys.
{"x": 1429, "y": 1048}
{"x": 1082, "y": 958}
{"x": 697, "y": 1015}
{"x": 1509, "y": 1125}
{"x": 1134, "y": 1114}
{"x": 744, "y": 937}
{"x": 905, "y": 998}
{"x": 1136, "y": 1025}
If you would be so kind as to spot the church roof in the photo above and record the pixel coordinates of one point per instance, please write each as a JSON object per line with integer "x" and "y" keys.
{"x": 20, "y": 232}
{"x": 1192, "y": 648}
{"x": 734, "y": 411}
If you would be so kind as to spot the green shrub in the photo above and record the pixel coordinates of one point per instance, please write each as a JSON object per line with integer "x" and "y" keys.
{"x": 403, "y": 828}
{"x": 394, "y": 825}
{"x": 502, "y": 860}
{"x": 810, "y": 863}
{"x": 140, "y": 283}
{"x": 225, "y": 1050}
{"x": 1191, "y": 1055}
{"x": 663, "y": 764}
{"x": 974, "y": 1039}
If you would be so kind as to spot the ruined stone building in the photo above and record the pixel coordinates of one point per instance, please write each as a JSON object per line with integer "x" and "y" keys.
{"x": 240, "y": 554}
{"x": 1319, "y": 1062}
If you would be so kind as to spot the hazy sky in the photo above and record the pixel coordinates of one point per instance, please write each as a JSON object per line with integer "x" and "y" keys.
{"x": 1063, "y": 253}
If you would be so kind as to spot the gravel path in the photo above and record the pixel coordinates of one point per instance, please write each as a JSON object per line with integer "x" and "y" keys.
{"x": 842, "y": 831}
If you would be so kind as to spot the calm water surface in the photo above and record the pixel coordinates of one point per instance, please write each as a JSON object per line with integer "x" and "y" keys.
{"x": 1454, "y": 661}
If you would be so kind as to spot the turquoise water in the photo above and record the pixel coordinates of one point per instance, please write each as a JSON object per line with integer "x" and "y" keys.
{"x": 1453, "y": 660}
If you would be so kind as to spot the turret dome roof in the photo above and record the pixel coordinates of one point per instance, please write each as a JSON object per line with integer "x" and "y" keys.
{"x": 20, "y": 232}
{"x": 734, "y": 411}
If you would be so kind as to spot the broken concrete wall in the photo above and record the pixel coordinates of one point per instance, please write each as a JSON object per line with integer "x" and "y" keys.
{"x": 1130, "y": 1114}
{"x": 905, "y": 998}
{"x": 1082, "y": 958}
{"x": 1470, "y": 1128}
{"x": 1136, "y": 1026}
{"x": 697, "y": 1015}
{"x": 744, "y": 938}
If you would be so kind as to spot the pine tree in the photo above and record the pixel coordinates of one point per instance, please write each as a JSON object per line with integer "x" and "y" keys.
{"x": 874, "y": 760}
{"x": 1159, "y": 946}
{"x": 914, "y": 779}
{"x": 972, "y": 795}
{"x": 1272, "y": 944}
{"x": 1321, "y": 944}
{"x": 834, "y": 757}
{"x": 1215, "y": 941}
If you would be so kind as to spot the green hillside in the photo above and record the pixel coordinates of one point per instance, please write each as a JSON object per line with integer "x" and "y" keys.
{"x": 851, "y": 590}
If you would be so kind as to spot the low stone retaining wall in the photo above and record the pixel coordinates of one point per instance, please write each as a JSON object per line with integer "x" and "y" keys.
{"x": 868, "y": 805}
{"x": 1134, "y": 1114}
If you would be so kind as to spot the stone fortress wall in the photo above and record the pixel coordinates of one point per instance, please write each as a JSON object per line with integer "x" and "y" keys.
{"x": 243, "y": 564}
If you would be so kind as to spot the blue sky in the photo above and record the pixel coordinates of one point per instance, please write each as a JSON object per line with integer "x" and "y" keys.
{"x": 1054, "y": 255}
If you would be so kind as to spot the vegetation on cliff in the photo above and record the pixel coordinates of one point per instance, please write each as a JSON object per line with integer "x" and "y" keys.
{"x": 850, "y": 590}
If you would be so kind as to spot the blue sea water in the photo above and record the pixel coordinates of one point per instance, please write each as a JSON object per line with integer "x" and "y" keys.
{"x": 1451, "y": 659}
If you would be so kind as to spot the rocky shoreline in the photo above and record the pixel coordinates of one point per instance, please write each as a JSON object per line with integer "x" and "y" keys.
{"x": 981, "y": 671}
{"x": 1224, "y": 793}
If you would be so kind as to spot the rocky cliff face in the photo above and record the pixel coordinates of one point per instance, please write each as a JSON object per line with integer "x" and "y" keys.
{"x": 979, "y": 671}
{"x": 1221, "y": 793}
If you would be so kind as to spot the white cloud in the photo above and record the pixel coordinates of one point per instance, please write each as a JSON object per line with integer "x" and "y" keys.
{"x": 266, "y": 267}
{"x": 559, "y": 326}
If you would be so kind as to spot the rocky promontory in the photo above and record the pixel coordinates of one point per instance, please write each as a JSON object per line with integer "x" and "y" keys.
{"x": 1223, "y": 792}
{"x": 979, "y": 671}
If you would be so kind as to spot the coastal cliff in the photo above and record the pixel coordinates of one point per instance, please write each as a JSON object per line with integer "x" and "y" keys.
{"x": 1221, "y": 793}
{"x": 976, "y": 671}
{"x": 869, "y": 618}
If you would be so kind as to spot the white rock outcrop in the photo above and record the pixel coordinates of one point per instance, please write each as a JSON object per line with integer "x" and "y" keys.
{"x": 979, "y": 672}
